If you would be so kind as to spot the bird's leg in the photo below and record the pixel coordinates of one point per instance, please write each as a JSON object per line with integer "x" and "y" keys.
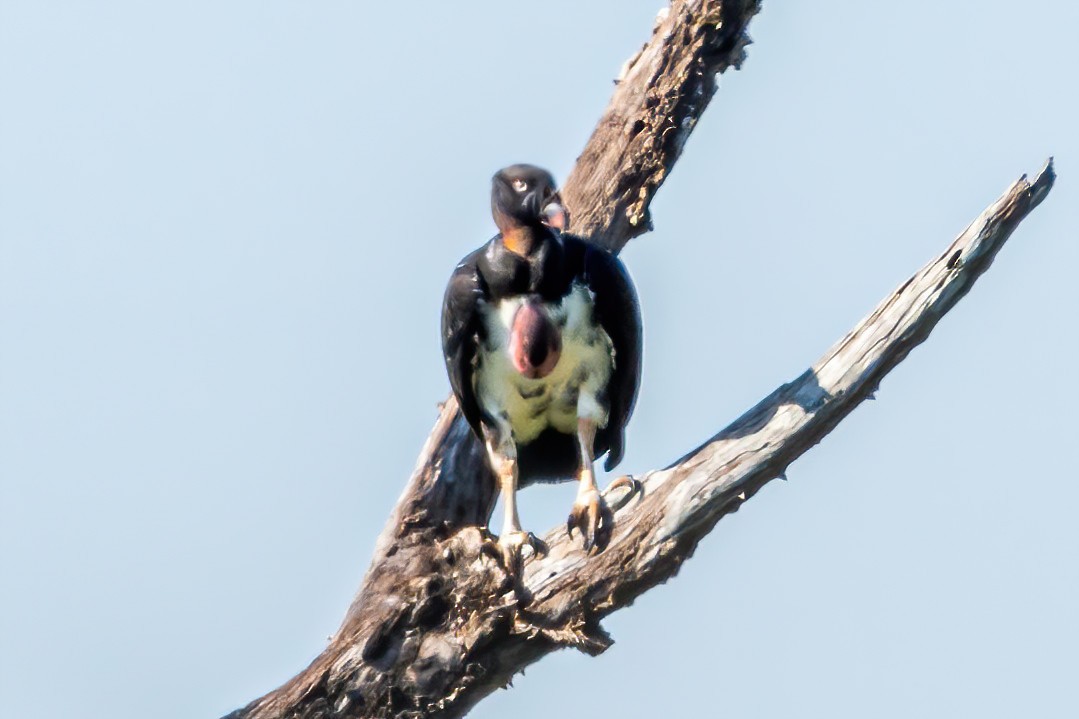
{"x": 590, "y": 514}
{"x": 512, "y": 539}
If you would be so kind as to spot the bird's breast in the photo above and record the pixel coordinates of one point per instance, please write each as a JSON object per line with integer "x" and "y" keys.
{"x": 563, "y": 335}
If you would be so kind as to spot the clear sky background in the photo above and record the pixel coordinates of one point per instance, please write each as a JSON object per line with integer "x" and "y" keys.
{"x": 225, "y": 230}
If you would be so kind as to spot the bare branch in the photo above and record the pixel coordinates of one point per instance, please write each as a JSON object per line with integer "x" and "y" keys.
{"x": 437, "y": 625}
{"x": 660, "y": 96}
{"x": 683, "y": 502}
{"x": 442, "y": 625}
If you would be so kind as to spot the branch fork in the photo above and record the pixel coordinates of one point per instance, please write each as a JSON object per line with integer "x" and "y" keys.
{"x": 438, "y": 624}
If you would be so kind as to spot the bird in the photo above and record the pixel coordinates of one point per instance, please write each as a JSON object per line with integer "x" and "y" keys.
{"x": 542, "y": 339}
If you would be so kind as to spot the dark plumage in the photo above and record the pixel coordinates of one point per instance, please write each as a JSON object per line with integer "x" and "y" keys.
{"x": 541, "y": 334}
{"x": 492, "y": 273}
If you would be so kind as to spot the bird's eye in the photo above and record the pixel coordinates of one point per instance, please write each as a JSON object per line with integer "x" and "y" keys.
{"x": 520, "y": 185}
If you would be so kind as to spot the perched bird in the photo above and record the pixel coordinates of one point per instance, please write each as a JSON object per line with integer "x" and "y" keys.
{"x": 541, "y": 333}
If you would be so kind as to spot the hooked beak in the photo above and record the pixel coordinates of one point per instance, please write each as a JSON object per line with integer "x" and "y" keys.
{"x": 555, "y": 215}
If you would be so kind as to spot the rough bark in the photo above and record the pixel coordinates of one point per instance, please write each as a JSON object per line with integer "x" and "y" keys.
{"x": 659, "y": 96}
{"x": 437, "y": 624}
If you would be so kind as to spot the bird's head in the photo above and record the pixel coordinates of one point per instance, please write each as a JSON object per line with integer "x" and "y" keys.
{"x": 525, "y": 196}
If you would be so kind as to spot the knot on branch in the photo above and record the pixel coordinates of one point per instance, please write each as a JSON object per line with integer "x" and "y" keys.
{"x": 439, "y": 615}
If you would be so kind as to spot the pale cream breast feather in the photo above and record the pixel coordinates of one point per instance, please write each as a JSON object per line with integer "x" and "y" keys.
{"x": 571, "y": 391}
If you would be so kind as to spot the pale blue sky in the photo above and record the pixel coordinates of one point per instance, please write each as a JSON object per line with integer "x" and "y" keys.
{"x": 224, "y": 233}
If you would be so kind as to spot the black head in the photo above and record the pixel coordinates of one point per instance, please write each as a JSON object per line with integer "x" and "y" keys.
{"x": 526, "y": 196}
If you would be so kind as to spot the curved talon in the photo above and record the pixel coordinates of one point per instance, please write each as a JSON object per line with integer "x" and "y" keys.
{"x": 594, "y": 519}
{"x": 635, "y": 487}
{"x": 507, "y": 550}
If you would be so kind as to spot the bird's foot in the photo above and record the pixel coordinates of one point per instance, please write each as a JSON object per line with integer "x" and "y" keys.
{"x": 509, "y": 550}
{"x": 634, "y": 486}
{"x": 592, "y": 518}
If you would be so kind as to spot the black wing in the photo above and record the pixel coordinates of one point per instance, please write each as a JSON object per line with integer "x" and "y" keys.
{"x": 617, "y": 311}
{"x": 460, "y": 334}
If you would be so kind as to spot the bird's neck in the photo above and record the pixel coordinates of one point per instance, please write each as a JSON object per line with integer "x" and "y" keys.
{"x": 522, "y": 239}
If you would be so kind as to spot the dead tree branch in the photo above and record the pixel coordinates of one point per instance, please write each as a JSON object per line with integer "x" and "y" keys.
{"x": 660, "y": 95}
{"x": 437, "y": 625}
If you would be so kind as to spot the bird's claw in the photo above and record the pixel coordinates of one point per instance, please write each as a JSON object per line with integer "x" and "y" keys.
{"x": 508, "y": 550}
{"x": 635, "y": 487}
{"x": 593, "y": 519}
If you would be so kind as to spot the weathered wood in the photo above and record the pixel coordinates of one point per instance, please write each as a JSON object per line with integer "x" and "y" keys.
{"x": 660, "y": 95}
{"x": 437, "y": 625}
